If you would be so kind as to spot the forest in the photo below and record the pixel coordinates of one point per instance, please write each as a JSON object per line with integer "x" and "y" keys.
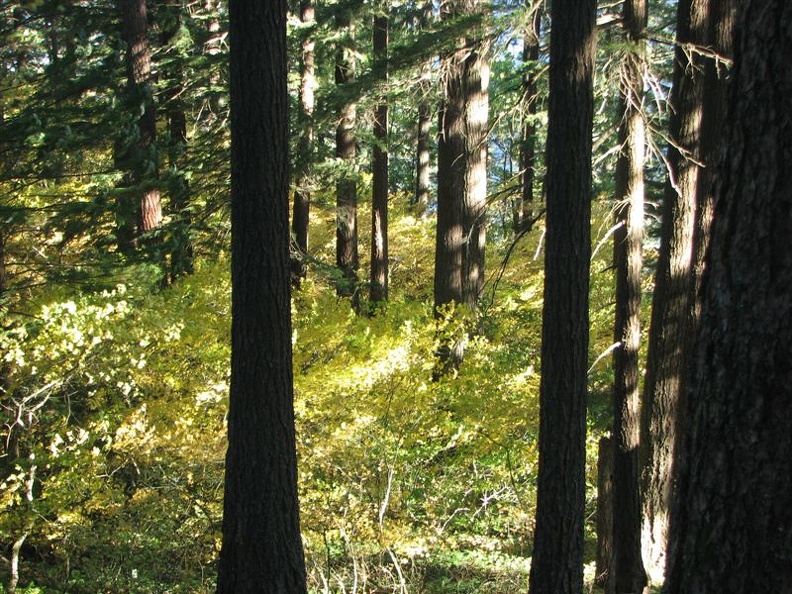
{"x": 395, "y": 296}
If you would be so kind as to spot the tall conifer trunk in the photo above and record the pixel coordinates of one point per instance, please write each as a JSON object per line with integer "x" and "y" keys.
{"x": 451, "y": 164}
{"x": 557, "y": 563}
{"x": 302, "y": 192}
{"x": 262, "y": 547}
{"x": 663, "y": 400}
{"x": 181, "y": 248}
{"x": 379, "y": 203}
{"x": 720, "y": 42}
{"x": 424, "y": 126}
{"x": 731, "y": 522}
{"x": 523, "y": 210}
{"x": 347, "y": 258}
{"x": 628, "y": 573}
{"x": 462, "y": 174}
{"x": 476, "y": 82}
{"x": 182, "y": 255}
{"x": 143, "y": 158}
{"x": 2, "y": 265}
{"x": 3, "y": 280}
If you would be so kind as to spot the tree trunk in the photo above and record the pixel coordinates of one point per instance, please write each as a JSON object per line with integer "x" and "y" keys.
{"x": 663, "y": 396}
{"x": 731, "y": 524}
{"x": 262, "y": 547}
{"x": 347, "y": 259}
{"x": 476, "y": 91}
{"x": 603, "y": 576}
{"x": 557, "y": 564}
{"x": 302, "y": 192}
{"x": 13, "y": 573}
{"x": 628, "y": 571}
{"x": 422, "y": 160}
{"x": 450, "y": 235}
{"x": 379, "y": 200}
{"x": 720, "y": 34}
{"x": 181, "y": 248}
{"x": 3, "y": 276}
{"x": 134, "y": 20}
{"x": 523, "y": 211}
{"x": 211, "y": 8}
{"x": 182, "y": 255}
{"x": 461, "y": 177}
{"x": 423, "y": 157}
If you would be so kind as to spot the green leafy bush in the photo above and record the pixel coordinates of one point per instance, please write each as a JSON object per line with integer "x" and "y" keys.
{"x": 116, "y": 405}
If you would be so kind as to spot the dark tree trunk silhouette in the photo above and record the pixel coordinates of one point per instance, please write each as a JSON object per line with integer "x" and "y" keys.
{"x": 212, "y": 49}
{"x": 422, "y": 160}
{"x": 523, "y": 210}
{"x": 603, "y": 575}
{"x": 731, "y": 523}
{"x": 347, "y": 258}
{"x": 181, "y": 248}
{"x": 141, "y": 157}
{"x": 262, "y": 547}
{"x": 182, "y": 255}
{"x": 302, "y": 190}
{"x": 3, "y": 233}
{"x": 661, "y": 418}
{"x": 628, "y": 573}
{"x": 379, "y": 200}
{"x": 557, "y": 564}
{"x": 3, "y": 275}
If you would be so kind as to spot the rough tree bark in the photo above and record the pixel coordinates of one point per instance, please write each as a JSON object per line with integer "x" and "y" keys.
{"x": 661, "y": 418}
{"x": 3, "y": 281}
{"x": 462, "y": 174}
{"x": 422, "y": 160}
{"x": 523, "y": 210}
{"x": 557, "y": 564}
{"x": 379, "y": 200}
{"x": 476, "y": 81}
{"x": 720, "y": 43}
{"x": 262, "y": 547}
{"x": 142, "y": 156}
{"x": 628, "y": 573}
{"x": 181, "y": 248}
{"x": 603, "y": 575}
{"x": 3, "y": 277}
{"x": 302, "y": 191}
{"x": 347, "y": 257}
{"x": 449, "y": 251}
{"x": 731, "y": 524}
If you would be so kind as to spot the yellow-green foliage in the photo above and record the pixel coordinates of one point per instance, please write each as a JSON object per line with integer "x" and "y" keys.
{"x": 117, "y": 400}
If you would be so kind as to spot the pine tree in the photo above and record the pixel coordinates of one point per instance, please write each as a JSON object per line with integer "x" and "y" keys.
{"x": 347, "y": 257}
{"x": 462, "y": 172}
{"x": 262, "y": 547}
{"x": 302, "y": 190}
{"x": 557, "y": 563}
{"x": 628, "y": 574}
{"x": 523, "y": 209}
{"x": 731, "y": 522}
{"x": 141, "y": 153}
{"x": 379, "y": 200}
{"x": 674, "y": 302}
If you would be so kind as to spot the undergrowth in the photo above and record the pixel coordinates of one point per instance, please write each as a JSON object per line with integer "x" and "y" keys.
{"x": 117, "y": 403}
